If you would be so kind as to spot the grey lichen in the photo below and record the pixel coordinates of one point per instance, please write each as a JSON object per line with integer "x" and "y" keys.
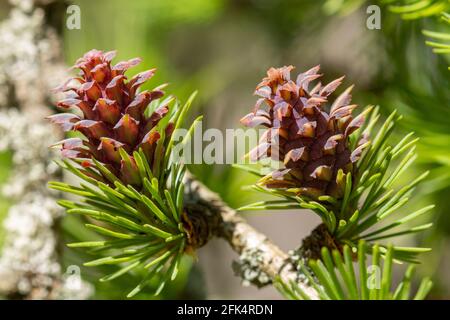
{"x": 247, "y": 267}
{"x": 29, "y": 264}
{"x": 30, "y": 59}
{"x": 30, "y": 65}
{"x": 297, "y": 258}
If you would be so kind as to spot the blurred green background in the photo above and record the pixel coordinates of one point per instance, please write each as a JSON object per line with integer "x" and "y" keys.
{"x": 224, "y": 47}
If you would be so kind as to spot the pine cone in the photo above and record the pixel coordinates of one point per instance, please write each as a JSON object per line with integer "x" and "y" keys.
{"x": 113, "y": 116}
{"x": 311, "y": 142}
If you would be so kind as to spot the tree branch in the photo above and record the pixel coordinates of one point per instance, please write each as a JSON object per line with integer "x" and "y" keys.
{"x": 263, "y": 261}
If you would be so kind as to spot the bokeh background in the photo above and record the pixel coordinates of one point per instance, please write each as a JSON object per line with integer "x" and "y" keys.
{"x": 222, "y": 48}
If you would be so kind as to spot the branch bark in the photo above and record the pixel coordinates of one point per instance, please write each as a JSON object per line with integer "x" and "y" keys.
{"x": 214, "y": 218}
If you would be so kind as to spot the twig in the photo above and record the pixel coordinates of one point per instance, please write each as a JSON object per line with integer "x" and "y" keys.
{"x": 252, "y": 245}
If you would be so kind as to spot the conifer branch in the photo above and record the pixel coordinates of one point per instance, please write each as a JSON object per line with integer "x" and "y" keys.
{"x": 150, "y": 211}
